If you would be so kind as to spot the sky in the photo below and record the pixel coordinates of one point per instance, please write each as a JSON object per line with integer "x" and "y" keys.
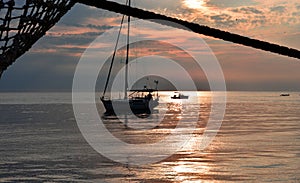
{"x": 51, "y": 63}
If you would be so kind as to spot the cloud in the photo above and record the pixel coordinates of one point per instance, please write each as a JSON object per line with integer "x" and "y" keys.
{"x": 230, "y": 3}
{"x": 80, "y": 14}
{"x": 223, "y": 20}
{"x": 238, "y": 17}
{"x": 278, "y": 9}
{"x": 73, "y": 34}
{"x": 247, "y": 10}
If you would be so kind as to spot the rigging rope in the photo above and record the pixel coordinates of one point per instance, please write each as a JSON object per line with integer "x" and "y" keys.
{"x": 201, "y": 29}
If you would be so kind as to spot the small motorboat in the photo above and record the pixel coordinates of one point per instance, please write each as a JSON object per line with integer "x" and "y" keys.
{"x": 284, "y": 94}
{"x": 179, "y": 96}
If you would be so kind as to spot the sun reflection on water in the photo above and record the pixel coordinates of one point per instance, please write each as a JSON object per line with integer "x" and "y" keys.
{"x": 189, "y": 164}
{"x": 188, "y": 167}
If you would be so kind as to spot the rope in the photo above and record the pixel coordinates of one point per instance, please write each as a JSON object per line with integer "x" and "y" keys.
{"x": 200, "y": 29}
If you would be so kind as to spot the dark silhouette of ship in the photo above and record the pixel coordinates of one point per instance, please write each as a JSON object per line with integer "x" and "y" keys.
{"x": 136, "y": 101}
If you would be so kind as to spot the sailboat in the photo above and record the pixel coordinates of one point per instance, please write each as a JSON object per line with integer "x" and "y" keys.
{"x": 139, "y": 100}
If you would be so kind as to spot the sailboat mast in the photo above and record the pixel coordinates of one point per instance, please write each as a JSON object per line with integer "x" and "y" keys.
{"x": 127, "y": 56}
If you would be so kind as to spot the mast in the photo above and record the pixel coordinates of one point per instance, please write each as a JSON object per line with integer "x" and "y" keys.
{"x": 127, "y": 56}
{"x": 112, "y": 60}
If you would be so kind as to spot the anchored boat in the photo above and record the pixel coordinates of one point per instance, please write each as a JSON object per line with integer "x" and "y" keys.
{"x": 136, "y": 101}
{"x": 179, "y": 96}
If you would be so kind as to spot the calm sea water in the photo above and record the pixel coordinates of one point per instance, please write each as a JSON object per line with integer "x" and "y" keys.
{"x": 259, "y": 141}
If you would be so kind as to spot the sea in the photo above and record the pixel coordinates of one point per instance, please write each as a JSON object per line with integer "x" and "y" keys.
{"x": 257, "y": 140}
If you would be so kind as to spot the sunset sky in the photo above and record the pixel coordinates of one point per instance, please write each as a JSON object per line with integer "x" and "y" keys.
{"x": 50, "y": 64}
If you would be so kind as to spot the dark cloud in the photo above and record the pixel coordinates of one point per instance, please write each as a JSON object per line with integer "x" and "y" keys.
{"x": 223, "y": 20}
{"x": 157, "y": 4}
{"x": 296, "y": 14}
{"x": 73, "y": 39}
{"x": 80, "y": 14}
{"x": 242, "y": 20}
{"x": 66, "y": 44}
{"x": 247, "y": 10}
{"x": 230, "y": 3}
{"x": 99, "y": 27}
{"x": 93, "y": 26}
{"x": 258, "y": 22}
{"x": 278, "y": 9}
{"x": 250, "y": 10}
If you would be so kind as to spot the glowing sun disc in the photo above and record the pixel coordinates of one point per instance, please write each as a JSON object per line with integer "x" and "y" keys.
{"x": 194, "y": 4}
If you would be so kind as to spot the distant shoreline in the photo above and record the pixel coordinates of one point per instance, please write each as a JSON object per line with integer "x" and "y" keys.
{"x": 68, "y": 91}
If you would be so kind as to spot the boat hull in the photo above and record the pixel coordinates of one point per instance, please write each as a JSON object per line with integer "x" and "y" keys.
{"x": 284, "y": 95}
{"x": 129, "y": 105}
{"x": 181, "y": 97}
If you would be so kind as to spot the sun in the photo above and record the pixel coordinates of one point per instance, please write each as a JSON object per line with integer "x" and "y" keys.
{"x": 194, "y": 4}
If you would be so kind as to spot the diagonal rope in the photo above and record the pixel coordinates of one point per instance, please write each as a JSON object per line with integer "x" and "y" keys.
{"x": 201, "y": 29}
